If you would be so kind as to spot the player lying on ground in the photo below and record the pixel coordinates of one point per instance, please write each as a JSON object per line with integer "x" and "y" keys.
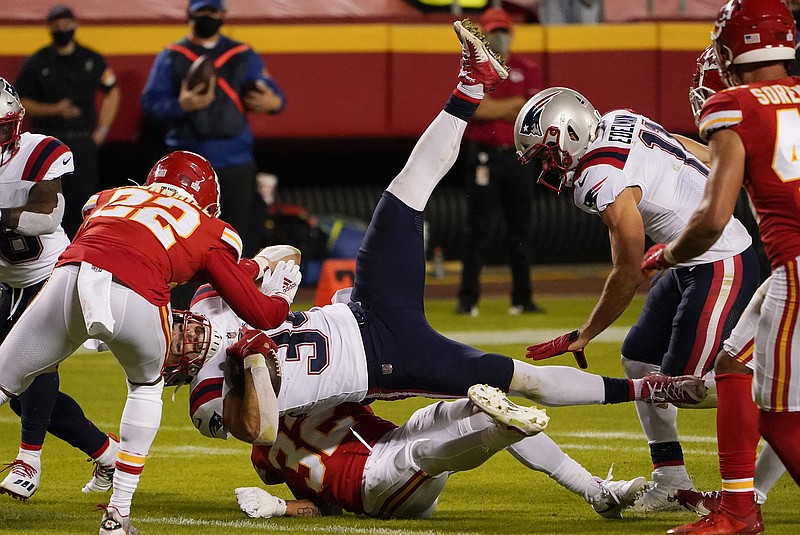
{"x": 346, "y": 458}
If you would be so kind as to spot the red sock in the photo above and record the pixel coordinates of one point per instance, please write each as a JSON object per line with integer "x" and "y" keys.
{"x": 782, "y": 431}
{"x": 737, "y": 437}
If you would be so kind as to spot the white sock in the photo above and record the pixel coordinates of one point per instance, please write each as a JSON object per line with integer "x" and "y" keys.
{"x": 109, "y": 455}
{"x": 30, "y": 455}
{"x": 556, "y": 386}
{"x": 433, "y": 155}
{"x": 769, "y": 469}
{"x": 472, "y": 91}
{"x": 140, "y": 420}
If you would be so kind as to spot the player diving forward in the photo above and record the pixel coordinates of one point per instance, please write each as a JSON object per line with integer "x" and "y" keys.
{"x": 379, "y": 345}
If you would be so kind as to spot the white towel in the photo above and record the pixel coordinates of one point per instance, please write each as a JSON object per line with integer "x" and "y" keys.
{"x": 94, "y": 294}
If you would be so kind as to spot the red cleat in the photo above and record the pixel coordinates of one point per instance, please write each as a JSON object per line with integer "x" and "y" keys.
{"x": 722, "y": 523}
{"x": 479, "y": 63}
{"x": 660, "y": 388}
{"x": 701, "y": 503}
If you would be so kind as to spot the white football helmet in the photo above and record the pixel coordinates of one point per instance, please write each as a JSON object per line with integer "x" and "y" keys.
{"x": 11, "y": 114}
{"x": 193, "y": 341}
{"x": 555, "y": 126}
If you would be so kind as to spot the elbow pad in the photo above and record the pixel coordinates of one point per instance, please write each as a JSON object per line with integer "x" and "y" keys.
{"x": 35, "y": 224}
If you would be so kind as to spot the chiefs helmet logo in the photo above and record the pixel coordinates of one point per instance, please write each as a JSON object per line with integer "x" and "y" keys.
{"x": 724, "y": 16}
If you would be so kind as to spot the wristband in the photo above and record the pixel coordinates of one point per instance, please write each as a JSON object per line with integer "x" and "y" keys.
{"x": 668, "y": 256}
{"x": 280, "y": 509}
{"x": 255, "y": 361}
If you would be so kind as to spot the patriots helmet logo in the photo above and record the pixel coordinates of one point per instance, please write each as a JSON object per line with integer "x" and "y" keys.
{"x": 215, "y": 424}
{"x": 532, "y": 122}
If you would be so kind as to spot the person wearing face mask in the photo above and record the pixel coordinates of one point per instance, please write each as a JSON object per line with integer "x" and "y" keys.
{"x": 496, "y": 190}
{"x": 57, "y": 86}
{"x": 212, "y": 121}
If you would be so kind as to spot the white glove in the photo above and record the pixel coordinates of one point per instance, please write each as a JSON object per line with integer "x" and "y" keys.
{"x": 258, "y": 503}
{"x": 283, "y": 281}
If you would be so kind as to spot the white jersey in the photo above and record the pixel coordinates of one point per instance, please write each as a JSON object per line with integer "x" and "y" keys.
{"x": 322, "y": 358}
{"x": 27, "y": 260}
{"x": 632, "y": 150}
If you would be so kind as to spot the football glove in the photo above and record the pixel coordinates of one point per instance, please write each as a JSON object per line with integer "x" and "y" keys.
{"x": 283, "y": 281}
{"x": 657, "y": 258}
{"x": 258, "y": 503}
{"x": 557, "y": 346}
{"x": 252, "y": 342}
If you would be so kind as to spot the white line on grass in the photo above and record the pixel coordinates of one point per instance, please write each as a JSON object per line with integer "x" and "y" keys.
{"x": 630, "y": 436}
{"x": 284, "y": 527}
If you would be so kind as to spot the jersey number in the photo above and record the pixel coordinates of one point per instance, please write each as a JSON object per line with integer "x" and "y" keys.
{"x": 311, "y": 344}
{"x": 169, "y": 218}
{"x": 312, "y": 445}
{"x": 785, "y": 158}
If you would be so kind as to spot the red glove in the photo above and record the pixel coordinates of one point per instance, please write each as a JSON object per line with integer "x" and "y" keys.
{"x": 252, "y": 342}
{"x": 557, "y": 346}
{"x": 654, "y": 259}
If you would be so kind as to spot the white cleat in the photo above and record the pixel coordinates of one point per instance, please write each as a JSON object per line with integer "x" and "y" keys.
{"x": 616, "y": 496}
{"x": 114, "y": 523}
{"x": 492, "y": 401}
{"x": 23, "y": 480}
{"x": 660, "y": 497}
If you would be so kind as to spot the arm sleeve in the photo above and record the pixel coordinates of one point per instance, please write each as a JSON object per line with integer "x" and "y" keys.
{"x": 235, "y": 285}
{"x": 160, "y": 96}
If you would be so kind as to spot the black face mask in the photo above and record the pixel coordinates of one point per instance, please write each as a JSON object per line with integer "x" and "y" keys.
{"x": 62, "y": 38}
{"x": 205, "y": 26}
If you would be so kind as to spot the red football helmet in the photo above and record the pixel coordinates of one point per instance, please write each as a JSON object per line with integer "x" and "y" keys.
{"x": 193, "y": 341}
{"x": 191, "y": 175}
{"x": 751, "y": 31}
{"x": 706, "y": 81}
{"x": 11, "y": 114}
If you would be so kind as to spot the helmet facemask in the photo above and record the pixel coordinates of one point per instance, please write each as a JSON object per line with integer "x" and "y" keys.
{"x": 193, "y": 341}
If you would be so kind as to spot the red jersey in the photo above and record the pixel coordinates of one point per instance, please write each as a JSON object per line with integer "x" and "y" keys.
{"x": 151, "y": 240}
{"x": 319, "y": 456}
{"x": 766, "y": 116}
{"x": 524, "y": 80}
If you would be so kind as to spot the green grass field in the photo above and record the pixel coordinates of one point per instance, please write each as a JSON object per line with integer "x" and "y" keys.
{"x": 187, "y": 486}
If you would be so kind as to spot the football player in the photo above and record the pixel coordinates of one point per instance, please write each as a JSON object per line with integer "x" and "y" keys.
{"x": 752, "y": 136}
{"x": 346, "y": 458}
{"x": 379, "y": 345}
{"x": 31, "y": 239}
{"x": 112, "y": 283}
{"x": 642, "y": 182}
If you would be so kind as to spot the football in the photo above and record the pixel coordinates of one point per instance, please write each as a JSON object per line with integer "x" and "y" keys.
{"x": 200, "y": 73}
